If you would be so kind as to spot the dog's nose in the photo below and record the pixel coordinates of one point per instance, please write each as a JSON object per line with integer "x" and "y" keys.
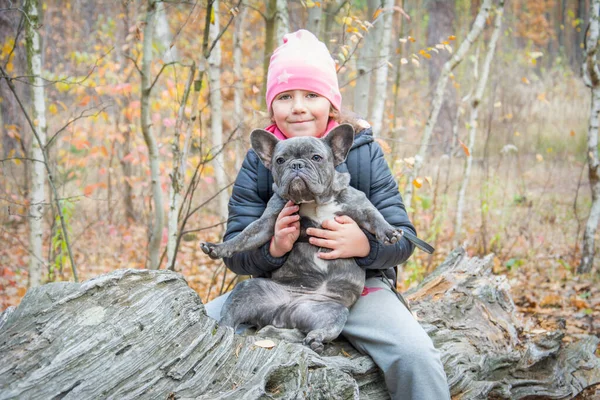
{"x": 297, "y": 165}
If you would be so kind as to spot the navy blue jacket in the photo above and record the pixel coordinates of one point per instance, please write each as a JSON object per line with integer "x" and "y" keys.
{"x": 369, "y": 172}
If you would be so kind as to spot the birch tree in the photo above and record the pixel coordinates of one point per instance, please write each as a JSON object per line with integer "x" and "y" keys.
{"x": 282, "y": 20}
{"x": 475, "y": 101}
{"x": 163, "y": 34}
{"x": 364, "y": 66}
{"x": 438, "y": 96}
{"x": 38, "y": 173}
{"x": 384, "y": 35}
{"x": 238, "y": 91}
{"x": 216, "y": 105}
{"x": 153, "y": 156}
{"x": 591, "y": 76}
{"x": 315, "y": 15}
{"x": 180, "y": 154}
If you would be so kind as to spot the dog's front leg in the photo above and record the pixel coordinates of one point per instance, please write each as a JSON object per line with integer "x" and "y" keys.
{"x": 255, "y": 235}
{"x": 364, "y": 213}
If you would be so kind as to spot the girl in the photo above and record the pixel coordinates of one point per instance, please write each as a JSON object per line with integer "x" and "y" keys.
{"x": 303, "y": 99}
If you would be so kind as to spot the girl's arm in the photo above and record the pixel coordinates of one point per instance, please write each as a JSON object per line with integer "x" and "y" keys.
{"x": 386, "y": 198}
{"x": 246, "y": 206}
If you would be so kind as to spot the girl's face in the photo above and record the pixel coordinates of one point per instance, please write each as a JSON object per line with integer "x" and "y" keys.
{"x": 301, "y": 113}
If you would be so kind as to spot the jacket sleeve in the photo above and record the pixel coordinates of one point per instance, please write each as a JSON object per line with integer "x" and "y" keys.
{"x": 246, "y": 206}
{"x": 386, "y": 198}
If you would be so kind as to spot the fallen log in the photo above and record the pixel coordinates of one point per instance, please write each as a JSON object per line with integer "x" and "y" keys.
{"x": 144, "y": 334}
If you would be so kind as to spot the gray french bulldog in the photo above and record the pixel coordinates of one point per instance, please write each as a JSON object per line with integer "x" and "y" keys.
{"x": 307, "y": 293}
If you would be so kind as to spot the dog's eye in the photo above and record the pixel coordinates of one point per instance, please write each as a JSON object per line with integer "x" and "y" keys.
{"x": 317, "y": 158}
{"x": 280, "y": 160}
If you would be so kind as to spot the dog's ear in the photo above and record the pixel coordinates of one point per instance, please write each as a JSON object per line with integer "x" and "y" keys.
{"x": 340, "y": 140}
{"x": 263, "y": 143}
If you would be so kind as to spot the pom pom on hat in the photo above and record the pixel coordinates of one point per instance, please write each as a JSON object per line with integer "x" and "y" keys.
{"x": 303, "y": 62}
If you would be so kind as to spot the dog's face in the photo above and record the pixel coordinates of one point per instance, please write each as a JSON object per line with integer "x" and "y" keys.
{"x": 303, "y": 168}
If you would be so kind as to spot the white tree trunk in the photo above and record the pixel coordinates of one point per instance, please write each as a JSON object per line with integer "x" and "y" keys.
{"x": 153, "y": 156}
{"x": 591, "y": 75}
{"x": 475, "y": 102}
{"x": 364, "y": 66}
{"x": 163, "y": 34}
{"x": 438, "y": 97}
{"x": 315, "y": 15}
{"x": 180, "y": 154}
{"x": 282, "y": 21}
{"x": 238, "y": 92}
{"x": 216, "y": 105}
{"x": 38, "y": 171}
{"x": 384, "y": 36}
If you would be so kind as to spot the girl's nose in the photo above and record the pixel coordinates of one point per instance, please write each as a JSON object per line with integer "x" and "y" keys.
{"x": 298, "y": 105}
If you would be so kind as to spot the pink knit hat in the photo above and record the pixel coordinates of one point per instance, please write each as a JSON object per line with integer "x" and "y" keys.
{"x": 303, "y": 62}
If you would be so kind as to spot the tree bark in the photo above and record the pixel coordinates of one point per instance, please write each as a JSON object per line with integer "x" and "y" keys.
{"x": 474, "y": 115}
{"x": 282, "y": 20}
{"x": 153, "y": 156}
{"x": 384, "y": 35}
{"x": 216, "y": 105}
{"x": 144, "y": 334}
{"x": 438, "y": 96}
{"x": 591, "y": 75}
{"x": 37, "y": 196}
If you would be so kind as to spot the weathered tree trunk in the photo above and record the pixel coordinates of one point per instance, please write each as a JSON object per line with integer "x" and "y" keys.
{"x": 591, "y": 76}
{"x": 37, "y": 197}
{"x": 153, "y": 156}
{"x": 144, "y": 334}
{"x": 270, "y": 41}
{"x": 474, "y": 103}
{"x": 216, "y": 116}
{"x": 438, "y": 96}
{"x": 180, "y": 154}
{"x": 384, "y": 36}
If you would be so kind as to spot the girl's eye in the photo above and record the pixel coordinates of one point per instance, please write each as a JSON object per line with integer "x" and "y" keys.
{"x": 280, "y": 160}
{"x": 284, "y": 97}
{"x": 312, "y": 95}
{"x": 317, "y": 158}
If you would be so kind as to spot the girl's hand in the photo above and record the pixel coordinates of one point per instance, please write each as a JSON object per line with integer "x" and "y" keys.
{"x": 343, "y": 236}
{"x": 287, "y": 230}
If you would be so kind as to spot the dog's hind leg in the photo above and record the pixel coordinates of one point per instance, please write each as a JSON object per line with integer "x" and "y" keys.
{"x": 255, "y": 302}
{"x": 323, "y": 321}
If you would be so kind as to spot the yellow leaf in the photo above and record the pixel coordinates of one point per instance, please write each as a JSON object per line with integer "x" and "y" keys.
{"x": 525, "y": 80}
{"x": 451, "y": 37}
{"x": 212, "y": 15}
{"x": 418, "y": 182}
{"x": 572, "y": 133}
{"x": 412, "y": 39}
{"x": 539, "y": 157}
{"x": 265, "y": 344}
{"x": 517, "y": 133}
{"x": 347, "y": 21}
{"x": 52, "y": 108}
{"x": 310, "y": 4}
{"x": 427, "y": 55}
{"x": 377, "y": 12}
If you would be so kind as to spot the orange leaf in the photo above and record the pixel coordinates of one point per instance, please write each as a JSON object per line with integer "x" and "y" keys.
{"x": 451, "y": 37}
{"x": 89, "y": 189}
{"x": 418, "y": 183}
{"x": 465, "y": 148}
{"x": 572, "y": 133}
{"x": 376, "y": 14}
{"x": 84, "y": 102}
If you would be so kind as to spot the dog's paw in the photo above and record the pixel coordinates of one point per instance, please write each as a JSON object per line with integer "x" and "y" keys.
{"x": 211, "y": 249}
{"x": 314, "y": 343}
{"x": 391, "y": 236}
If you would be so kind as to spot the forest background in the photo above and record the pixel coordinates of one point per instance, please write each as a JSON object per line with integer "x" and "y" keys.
{"x": 147, "y": 107}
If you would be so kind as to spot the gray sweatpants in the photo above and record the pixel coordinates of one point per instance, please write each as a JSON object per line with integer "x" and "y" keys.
{"x": 381, "y": 326}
